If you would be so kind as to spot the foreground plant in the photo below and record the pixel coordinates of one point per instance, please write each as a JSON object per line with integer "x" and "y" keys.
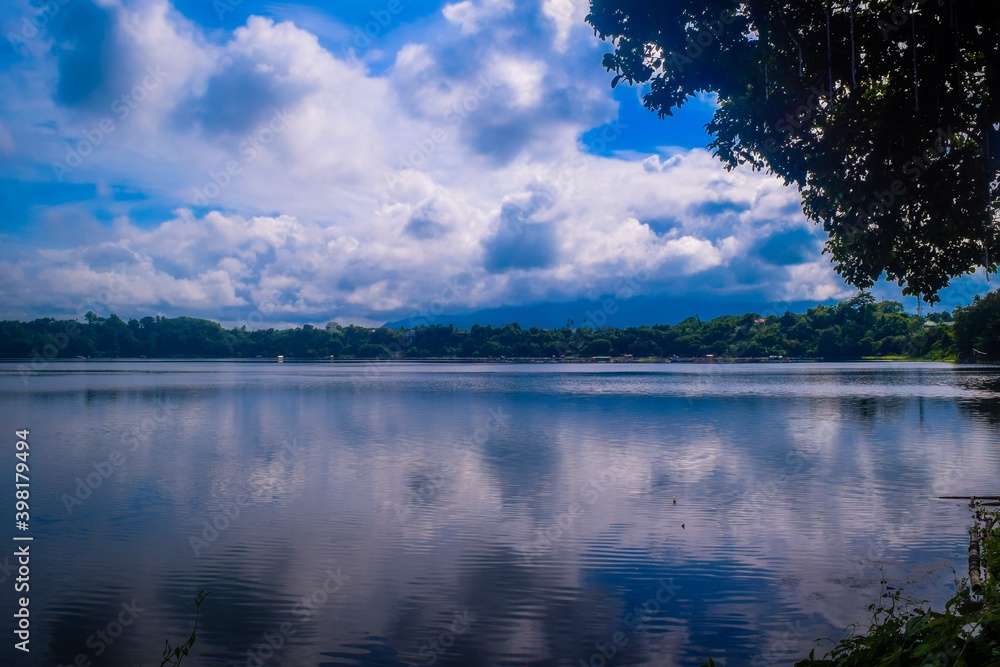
{"x": 174, "y": 656}
{"x": 965, "y": 634}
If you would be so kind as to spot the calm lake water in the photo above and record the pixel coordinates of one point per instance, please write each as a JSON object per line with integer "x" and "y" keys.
{"x": 403, "y": 514}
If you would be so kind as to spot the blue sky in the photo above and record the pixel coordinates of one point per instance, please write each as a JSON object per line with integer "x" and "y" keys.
{"x": 282, "y": 163}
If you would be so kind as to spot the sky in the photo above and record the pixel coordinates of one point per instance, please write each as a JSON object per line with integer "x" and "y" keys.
{"x": 275, "y": 164}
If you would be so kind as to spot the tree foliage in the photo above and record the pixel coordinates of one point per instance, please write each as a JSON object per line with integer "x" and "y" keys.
{"x": 885, "y": 115}
{"x": 852, "y": 329}
{"x": 966, "y": 633}
{"x": 977, "y": 328}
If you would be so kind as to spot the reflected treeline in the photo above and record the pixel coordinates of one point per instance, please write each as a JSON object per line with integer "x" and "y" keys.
{"x": 869, "y": 412}
{"x": 985, "y": 384}
{"x": 982, "y": 408}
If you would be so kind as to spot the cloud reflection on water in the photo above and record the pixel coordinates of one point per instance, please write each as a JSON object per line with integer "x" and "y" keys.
{"x": 796, "y": 488}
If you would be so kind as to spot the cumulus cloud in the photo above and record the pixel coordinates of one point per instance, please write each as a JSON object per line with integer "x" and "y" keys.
{"x": 471, "y": 16}
{"x": 522, "y": 241}
{"x": 85, "y": 51}
{"x": 432, "y": 219}
{"x": 272, "y": 171}
{"x": 565, "y": 15}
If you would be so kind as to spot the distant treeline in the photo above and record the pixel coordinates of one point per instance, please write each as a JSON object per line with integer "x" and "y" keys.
{"x": 853, "y": 329}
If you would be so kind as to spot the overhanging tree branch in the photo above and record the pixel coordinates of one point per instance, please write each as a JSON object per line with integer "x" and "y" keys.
{"x": 902, "y": 172}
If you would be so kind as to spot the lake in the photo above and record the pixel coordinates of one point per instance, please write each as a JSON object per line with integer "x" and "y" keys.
{"x": 457, "y": 514}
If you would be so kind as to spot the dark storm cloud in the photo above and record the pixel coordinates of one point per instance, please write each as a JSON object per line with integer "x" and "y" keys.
{"x": 494, "y": 120}
{"x": 84, "y": 46}
{"x": 426, "y": 223}
{"x": 713, "y": 209}
{"x": 520, "y": 242}
{"x": 795, "y": 246}
{"x": 106, "y": 256}
{"x": 240, "y": 97}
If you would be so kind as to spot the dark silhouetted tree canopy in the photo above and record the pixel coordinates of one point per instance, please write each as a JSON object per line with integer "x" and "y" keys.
{"x": 852, "y": 329}
{"x": 884, "y": 114}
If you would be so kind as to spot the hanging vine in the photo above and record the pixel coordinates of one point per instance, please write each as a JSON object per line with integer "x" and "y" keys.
{"x": 854, "y": 64}
{"x": 829, "y": 50}
{"x": 916, "y": 82}
{"x": 791, "y": 36}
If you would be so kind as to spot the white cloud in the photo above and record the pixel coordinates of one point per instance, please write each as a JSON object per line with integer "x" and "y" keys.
{"x": 301, "y": 180}
{"x": 413, "y": 59}
{"x": 814, "y": 282}
{"x": 565, "y": 14}
{"x": 471, "y": 15}
{"x": 523, "y": 77}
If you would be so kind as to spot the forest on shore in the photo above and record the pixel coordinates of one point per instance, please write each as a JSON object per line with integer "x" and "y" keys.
{"x": 857, "y": 328}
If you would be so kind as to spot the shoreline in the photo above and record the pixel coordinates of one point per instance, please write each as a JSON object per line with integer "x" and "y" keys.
{"x": 706, "y": 361}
